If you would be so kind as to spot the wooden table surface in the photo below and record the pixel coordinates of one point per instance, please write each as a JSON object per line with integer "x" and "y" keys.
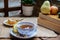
{"x": 5, "y": 31}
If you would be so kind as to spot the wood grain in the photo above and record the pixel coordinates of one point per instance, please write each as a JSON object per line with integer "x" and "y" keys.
{"x": 50, "y": 21}
{"x": 52, "y": 18}
{"x": 5, "y": 39}
{"x": 49, "y": 24}
{"x": 41, "y": 31}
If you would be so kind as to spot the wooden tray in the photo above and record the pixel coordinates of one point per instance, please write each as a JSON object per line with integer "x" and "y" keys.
{"x": 49, "y": 21}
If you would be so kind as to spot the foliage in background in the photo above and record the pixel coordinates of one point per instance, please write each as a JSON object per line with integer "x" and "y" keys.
{"x": 28, "y": 2}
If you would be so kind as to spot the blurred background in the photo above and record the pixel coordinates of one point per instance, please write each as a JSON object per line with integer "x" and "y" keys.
{"x": 13, "y": 7}
{"x": 11, "y": 4}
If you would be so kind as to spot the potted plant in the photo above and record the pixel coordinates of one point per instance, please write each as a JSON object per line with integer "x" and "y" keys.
{"x": 27, "y": 7}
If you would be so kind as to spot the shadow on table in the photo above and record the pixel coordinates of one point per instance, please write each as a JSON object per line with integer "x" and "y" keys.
{"x": 14, "y": 38}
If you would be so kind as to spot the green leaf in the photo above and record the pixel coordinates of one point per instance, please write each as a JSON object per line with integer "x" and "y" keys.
{"x": 28, "y": 1}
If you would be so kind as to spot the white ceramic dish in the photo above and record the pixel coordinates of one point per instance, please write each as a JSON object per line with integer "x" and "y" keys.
{"x": 19, "y": 36}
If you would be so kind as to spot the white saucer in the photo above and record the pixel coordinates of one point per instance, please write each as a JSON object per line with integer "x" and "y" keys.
{"x": 19, "y": 36}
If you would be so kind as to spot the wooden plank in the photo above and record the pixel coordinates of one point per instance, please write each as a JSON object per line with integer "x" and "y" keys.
{"x": 48, "y": 24}
{"x": 52, "y": 18}
{"x": 6, "y": 8}
{"x": 2, "y": 10}
{"x": 14, "y": 8}
{"x": 5, "y": 39}
{"x": 21, "y": 39}
{"x": 57, "y": 38}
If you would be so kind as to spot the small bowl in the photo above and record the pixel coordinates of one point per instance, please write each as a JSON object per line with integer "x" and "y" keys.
{"x": 26, "y": 31}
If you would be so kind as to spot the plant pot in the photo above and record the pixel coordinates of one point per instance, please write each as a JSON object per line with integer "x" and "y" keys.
{"x": 27, "y": 10}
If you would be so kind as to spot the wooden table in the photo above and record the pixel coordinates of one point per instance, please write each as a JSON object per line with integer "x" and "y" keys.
{"x": 4, "y": 31}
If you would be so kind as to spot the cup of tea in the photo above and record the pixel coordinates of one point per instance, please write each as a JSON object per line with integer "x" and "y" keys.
{"x": 26, "y": 28}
